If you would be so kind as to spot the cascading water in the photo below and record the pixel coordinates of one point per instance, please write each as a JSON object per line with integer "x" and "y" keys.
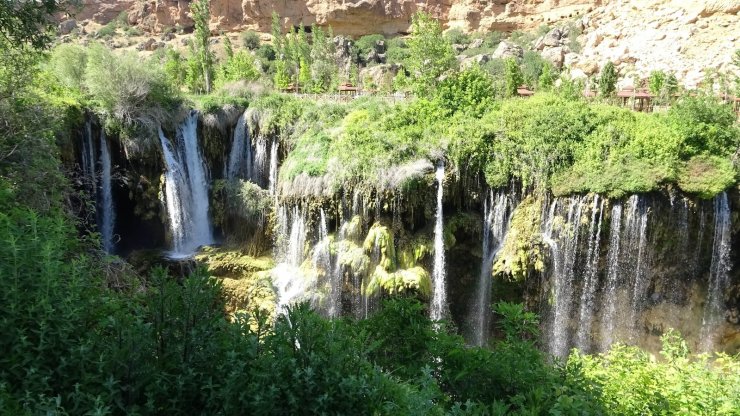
{"x": 322, "y": 262}
{"x": 636, "y": 224}
{"x": 273, "y": 167}
{"x": 260, "y": 162}
{"x": 564, "y": 245}
{"x": 186, "y": 190}
{"x": 240, "y": 157}
{"x": 439, "y": 285}
{"x": 88, "y": 157}
{"x": 627, "y": 273}
{"x": 588, "y": 293}
{"x": 496, "y": 216}
{"x": 719, "y": 277}
{"x": 290, "y": 283}
{"x": 106, "y": 208}
{"x": 608, "y": 319}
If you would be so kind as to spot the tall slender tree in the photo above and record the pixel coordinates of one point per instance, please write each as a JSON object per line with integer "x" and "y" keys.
{"x": 201, "y": 16}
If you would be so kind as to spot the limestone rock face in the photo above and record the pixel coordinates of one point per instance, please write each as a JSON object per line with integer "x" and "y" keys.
{"x": 686, "y": 37}
{"x": 348, "y": 17}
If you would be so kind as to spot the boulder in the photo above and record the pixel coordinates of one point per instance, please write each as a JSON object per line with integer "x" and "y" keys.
{"x": 468, "y": 61}
{"x": 507, "y": 49}
{"x": 553, "y": 38}
{"x": 67, "y": 26}
{"x": 555, "y": 55}
{"x": 476, "y": 43}
{"x": 379, "y": 76}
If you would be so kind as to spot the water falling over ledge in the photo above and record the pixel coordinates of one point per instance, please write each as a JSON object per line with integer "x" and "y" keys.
{"x": 439, "y": 306}
{"x": 186, "y": 190}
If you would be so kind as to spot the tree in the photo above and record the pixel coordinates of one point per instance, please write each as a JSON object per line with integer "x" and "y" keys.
{"x": 282, "y": 76}
{"x": 228, "y": 48}
{"x": 304, "y": 74}
{"x": 201, "y": 46}
{"x": 29, "y": 22}
{"x": 277, "y": 35}
{"x": 251, "y": 40}
{"x": 323, "y": 65}
{"x": 656, "y": 81}
{"x": 547, "y": 78}
{"x": 430, "y": 55}
{"x": 470, "y": 91}
{"x": 608, "y": 80}
{"x": 513, "y": 77}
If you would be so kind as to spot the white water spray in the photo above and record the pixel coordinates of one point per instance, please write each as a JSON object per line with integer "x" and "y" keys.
{"x": 439, "y": 285}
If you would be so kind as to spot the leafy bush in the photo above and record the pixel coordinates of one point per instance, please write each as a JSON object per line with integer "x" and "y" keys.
{"x": 457, "y": 37}
{"x": 251, "y": 40}
{"x": 470, "y": 91}
{"x": 128, "y": 91}
{"x": 630, "y": 382}
{"x": 68, "y": 63}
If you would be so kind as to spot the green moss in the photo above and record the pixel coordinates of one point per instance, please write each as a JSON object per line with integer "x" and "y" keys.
{"x": 707, "y": 176}
{"x": 352, "y": 256}
{"x": 464, "y": 221}
{"x": 227, "y": 263}
{"x": 412, "y": 252}
{"x": 380, "y": 239}
{"x": 415, "y": 279}
{"x": 522, "y": 250}
{"x": 245, "y": 295}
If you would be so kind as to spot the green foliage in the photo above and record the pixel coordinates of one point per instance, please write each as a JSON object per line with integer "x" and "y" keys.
{"x": 365, "y": 44}
{"x": 457, "y": 37}
{"x": 30, "y": 24}
{"x": 282, "y": 77}
{"x": 69, "y": 63}
{"x": 127, "y": 91}
{"x": 251, "y": 40}
{"x": 517, "y": 323}
{"x": 470, "y": 91}
{"x": 608, "y": 80}
{"x": 201, "y": 53}
{"x": 706, "y": 175}
{"x": 239, "y": 67}
{"x": 174, "y": 67}
{"x": 547, "y": 77}
{"x": 630, "y": 382}
{"x": 323, "y": 67}
{"x": 532, "y": 67}
{"x": 430, "y": 55}
{"x": 513, "y": 77}
{"x": 656, "y": 80}
{"x": 396, "y": 50}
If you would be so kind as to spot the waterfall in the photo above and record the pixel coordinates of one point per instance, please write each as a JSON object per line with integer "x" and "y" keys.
{"x": 322, "y": 262}
{"x": 719, "y": 277}
{"x": 496, "y": 215}
{"x": 627, "y": 272}
{"x": 186, "y": 189}
{"x": 240, "y": 157}
{"x": 273, "y": 167}
{"x": 636, "y": 226}
{"x": 564, "y": 246}
{"x": 260, "y": 162}
{"x": 106, "y": 209}
{"x": 612, "y": 279}
{"x": 88, "y": 157}
{"x": 439, "y": 286}
{"x": 290, "y": 283}
{"x": 587, "y": 306}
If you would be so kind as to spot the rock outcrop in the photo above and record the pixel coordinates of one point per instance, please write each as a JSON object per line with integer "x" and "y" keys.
{"x": 684, "y": 37}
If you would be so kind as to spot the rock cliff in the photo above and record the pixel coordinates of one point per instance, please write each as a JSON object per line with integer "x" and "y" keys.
{"x": 685, "y": 37}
